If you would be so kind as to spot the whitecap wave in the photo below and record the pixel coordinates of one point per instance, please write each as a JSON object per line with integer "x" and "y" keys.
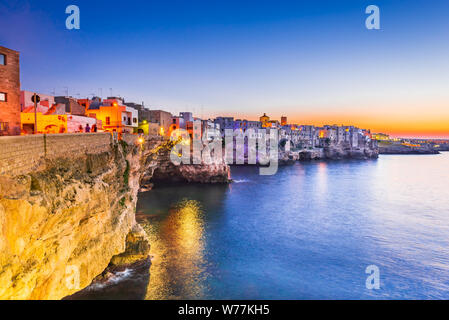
{"x": 240, "y": 181}
{"x": 114, "y": 279}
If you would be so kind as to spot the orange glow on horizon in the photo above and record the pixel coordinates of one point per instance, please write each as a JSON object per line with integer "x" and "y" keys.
{"x": 415, "y": 123}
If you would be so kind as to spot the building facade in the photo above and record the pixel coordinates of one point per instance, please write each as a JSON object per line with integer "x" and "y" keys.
{"x": 9, "y": 92}
{"x": 163, "y": 118}
{"x": 71, "y": 105}
{"x": 144, "y": 113}
{"x": 26, "y": 101}
{"x": 114, "y": 115}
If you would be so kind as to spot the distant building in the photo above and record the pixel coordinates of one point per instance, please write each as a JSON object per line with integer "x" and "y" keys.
{"x": 174, "y": 125}
{"x": 283, "y": 121}
{"x": 265, "y": 120}
{"x": 71, "y": 105}
{"x": 273, "y": 124}
{"x": 163, "y": 118}
{"x": 187, "y": 116}
{"x": 224, "y": 123}
{"x": 9, "y": 92}
{"x": 247, "y": 124}
{"x": 55, "y": 123}
{"x": 46, "y": 101}
{"x": 209, "y": 129}
{"x": 54, "y": 117}
{"x": 380, "y": 137}
{"x": 114, "y": 115}
{"x": 149, "y": 128}
{"x": 144, "y": 113}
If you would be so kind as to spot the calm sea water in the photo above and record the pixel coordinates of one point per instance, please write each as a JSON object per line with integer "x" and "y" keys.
{"x": 308, "y": 232}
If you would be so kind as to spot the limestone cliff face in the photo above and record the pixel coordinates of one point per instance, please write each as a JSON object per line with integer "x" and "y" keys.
{"x": 60, "y": 227}
{"x": 397, "y": 148}
{"x": 345, "y": 152}
{"x": 196, "y": 173}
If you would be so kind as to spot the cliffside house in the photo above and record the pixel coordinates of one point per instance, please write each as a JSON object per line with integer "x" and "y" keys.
{"x": 9, "y": 92}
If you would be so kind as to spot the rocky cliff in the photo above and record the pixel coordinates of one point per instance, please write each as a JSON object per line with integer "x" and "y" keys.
{"x": 341, "y": 151}
{"x": 62, "y": 225}
{"x": 397, "y": 148}
{"x": 189, "y": 173}
{"x": 333, "y": 152}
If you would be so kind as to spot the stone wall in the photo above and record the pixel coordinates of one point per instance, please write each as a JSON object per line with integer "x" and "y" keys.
{"x": 72, "y": 208}
{"x": 61, "y": 226}
{"x": 23, "y": 154}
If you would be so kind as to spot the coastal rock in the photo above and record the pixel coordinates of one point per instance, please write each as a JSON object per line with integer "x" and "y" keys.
{"x": 167, "y": 171}
{"x": 62, "y": 226}
{"x": 137, "y": 248}
{"x": 338, "y": 152}
{"x": 396, "y": 148}
{"x": 62, "y": 232}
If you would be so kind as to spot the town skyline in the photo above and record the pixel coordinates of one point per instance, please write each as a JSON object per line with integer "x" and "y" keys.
{"x": 315, "y": 68}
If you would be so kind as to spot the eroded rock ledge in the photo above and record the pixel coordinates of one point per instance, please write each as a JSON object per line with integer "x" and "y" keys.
{"x": 63, "y": 225}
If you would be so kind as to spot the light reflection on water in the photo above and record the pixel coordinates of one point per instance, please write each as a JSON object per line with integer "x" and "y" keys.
{"x": 307, "y": 232}
{"x": 177, "y": 249}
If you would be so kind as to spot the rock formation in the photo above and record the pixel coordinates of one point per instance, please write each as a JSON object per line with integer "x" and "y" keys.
{"x": 396, "y": 148}
{"x": 60, "y": 227}
{"x": 344, "y": 152}
{"x": 191, "y": 173}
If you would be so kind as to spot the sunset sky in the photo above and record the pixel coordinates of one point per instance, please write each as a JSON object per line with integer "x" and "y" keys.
{"x": 313, "y": 61}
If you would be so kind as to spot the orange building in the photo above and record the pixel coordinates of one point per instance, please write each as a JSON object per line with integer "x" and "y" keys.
{"x": 283, "y": 121}
{"x": 114, "y": 116}
{"x": 265, "y": 121}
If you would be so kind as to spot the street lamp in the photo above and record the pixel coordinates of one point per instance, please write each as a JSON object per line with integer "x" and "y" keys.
{"x": 36, "y": 99}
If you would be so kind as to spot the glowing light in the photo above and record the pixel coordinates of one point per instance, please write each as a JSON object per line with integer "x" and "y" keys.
{"x": 180, "y": 235}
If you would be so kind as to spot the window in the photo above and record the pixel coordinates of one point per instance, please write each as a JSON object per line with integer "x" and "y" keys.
{"x": 3, "y": 126}
{"x": 135, "y": 120}
{"x": 108, "y": 120}
{"x": 2, "y": 59}
{"x": 2, "y": 97}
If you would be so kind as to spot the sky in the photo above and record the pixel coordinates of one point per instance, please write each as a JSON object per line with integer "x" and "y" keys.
{"x": 312, "y": 61}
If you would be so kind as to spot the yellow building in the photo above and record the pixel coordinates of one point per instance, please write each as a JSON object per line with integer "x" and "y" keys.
{"x": 150, "y": 128}
{"x": 55, "y": 123}
{"x": 380, "y": 136}
{"x": 45, "y": 123}
{"x": 265, "y": 121}
{"x": 110, "y": 115}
